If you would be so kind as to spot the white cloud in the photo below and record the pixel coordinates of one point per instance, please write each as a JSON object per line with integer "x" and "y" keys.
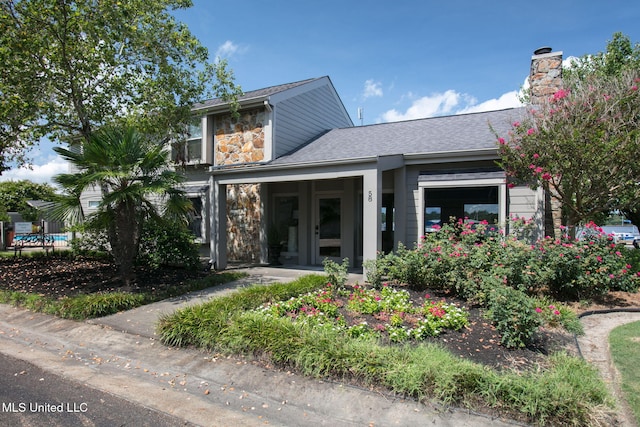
{"x": 427, "y": 106}
{"x": 372, "y": 88}
{"x": 228, "y": 49}
{"x": 42, "y": 173}
{"x": 507, "y": 100}
{"x": 452, "y": 102}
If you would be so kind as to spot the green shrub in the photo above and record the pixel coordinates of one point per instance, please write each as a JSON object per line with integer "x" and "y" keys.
{"x": 514, "y": 315}
{"x": 167, "y": 243}
{"x": 337, "y": 273}
{"x": 89, "y": 241}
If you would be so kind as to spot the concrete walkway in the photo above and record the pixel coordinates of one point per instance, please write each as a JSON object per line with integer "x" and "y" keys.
{"x": 120, "y": 354}
{"x": 594, "y": 348}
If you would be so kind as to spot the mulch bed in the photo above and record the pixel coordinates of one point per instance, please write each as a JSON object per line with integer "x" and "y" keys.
{"x": 59, "y": 277}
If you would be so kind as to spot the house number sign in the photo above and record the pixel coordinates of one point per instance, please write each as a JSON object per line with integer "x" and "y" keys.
{"x": 370, "y": 198}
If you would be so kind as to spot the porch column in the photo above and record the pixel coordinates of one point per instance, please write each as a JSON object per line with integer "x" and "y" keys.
{"x": 218, "y": 221}
{"x": 502, "y": 205}
{"x": 400, "y": 206}
{"x": 371, "y": 219}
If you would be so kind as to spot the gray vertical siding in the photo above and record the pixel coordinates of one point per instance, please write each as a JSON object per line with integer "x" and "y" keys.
{"x": 304, "y": 117}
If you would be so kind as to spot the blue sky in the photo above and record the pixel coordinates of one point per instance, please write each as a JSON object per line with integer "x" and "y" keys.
{"x": 396, "y": 60}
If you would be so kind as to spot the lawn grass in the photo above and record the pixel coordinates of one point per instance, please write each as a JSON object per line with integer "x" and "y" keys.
{"x": 566, "y": 391}
{"x": 624, "y": 342}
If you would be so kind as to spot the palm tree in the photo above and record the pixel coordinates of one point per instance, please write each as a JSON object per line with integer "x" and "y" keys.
{"x": 136, "y": 182}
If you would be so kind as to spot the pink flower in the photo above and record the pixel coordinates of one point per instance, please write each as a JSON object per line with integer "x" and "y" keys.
{"x": 557, "y": 313}
{"x": 546, "y": 176}
{"x": 516, "y": 124}
{"x": 501, "y": 141}
{"x": 531, "y": 131}
{"x": 634, "y": 88}
{"x": 536, "y": 156}
{"x": 538, "y": 310}
{"x": 560, "y": 94}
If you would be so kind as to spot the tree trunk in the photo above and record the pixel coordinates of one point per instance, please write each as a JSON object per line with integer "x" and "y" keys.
{"x": 124, "y": 236}
{"x": 633, "y": 216}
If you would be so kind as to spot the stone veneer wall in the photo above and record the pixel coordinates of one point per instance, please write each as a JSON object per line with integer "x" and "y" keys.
{"x": 545, "y": 79}
{"x": 240, "y": 141}
{"x": 545, "y": 76}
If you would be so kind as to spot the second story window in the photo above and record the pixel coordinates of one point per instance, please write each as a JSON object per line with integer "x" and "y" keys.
{"x": 194, "y": 140}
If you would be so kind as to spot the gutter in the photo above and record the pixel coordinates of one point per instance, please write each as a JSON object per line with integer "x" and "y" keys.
{"x": 245, "y": 167}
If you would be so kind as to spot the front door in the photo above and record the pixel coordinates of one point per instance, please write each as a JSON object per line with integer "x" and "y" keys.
{"x": 328, "y": 228}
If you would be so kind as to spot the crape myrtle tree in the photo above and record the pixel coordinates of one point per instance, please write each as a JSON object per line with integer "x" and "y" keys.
{"x": 582, "y": 145}
{"x": 137, "y": 187}
{"x": 71, "y": 66}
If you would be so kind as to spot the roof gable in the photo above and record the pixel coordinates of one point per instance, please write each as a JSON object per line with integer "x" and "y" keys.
{"x": 254, "y": 95}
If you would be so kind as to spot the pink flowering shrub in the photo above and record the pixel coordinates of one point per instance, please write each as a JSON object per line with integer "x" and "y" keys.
{"x": 470, "y": 258}
{"x": 478, "y": 262}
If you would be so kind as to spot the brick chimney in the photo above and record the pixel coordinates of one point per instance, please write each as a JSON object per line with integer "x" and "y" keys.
{"x": 545, "y": 77}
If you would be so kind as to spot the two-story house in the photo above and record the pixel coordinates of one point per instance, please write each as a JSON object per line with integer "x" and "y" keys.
{"x": 293, "y": 168}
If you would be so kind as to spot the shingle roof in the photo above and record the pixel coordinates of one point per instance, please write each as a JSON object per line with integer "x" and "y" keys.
{"x": 255, "y": 94}
{"x": 424, "y": 136}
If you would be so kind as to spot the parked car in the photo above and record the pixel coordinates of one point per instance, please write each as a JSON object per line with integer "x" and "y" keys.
{"x": 625, "y": 234}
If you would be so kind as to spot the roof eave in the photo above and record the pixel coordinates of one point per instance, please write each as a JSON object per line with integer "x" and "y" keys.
{"x": 458, "y": 155}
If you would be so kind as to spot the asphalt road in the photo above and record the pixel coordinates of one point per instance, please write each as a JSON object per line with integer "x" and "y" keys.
{"x": 32, "y": 397}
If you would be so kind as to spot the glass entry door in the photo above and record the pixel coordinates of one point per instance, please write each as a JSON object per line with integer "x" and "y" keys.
{"x": 328, "y": 232}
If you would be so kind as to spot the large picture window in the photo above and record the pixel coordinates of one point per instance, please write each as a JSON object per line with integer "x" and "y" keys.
{"x": 472, "y": 204}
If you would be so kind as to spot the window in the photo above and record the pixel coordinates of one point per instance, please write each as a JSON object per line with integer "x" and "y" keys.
{"x": 473, "y": 204}
{"x": 192, "y": 151}
{"x": 285, "y": 219}
{"x": 481, "y": 212}
{"x": 195, "y": 219}
{"x": 194, "y": 140}
{"x": 93, "y": 204}
{"x": 432, "y": 218}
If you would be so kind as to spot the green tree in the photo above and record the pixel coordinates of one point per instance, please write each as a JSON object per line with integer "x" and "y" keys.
{"x": 583, "y": 143}
{"x": 15, "y": 194}
{"x": 71, "y": 66}
{"x": 137, "y": 185}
